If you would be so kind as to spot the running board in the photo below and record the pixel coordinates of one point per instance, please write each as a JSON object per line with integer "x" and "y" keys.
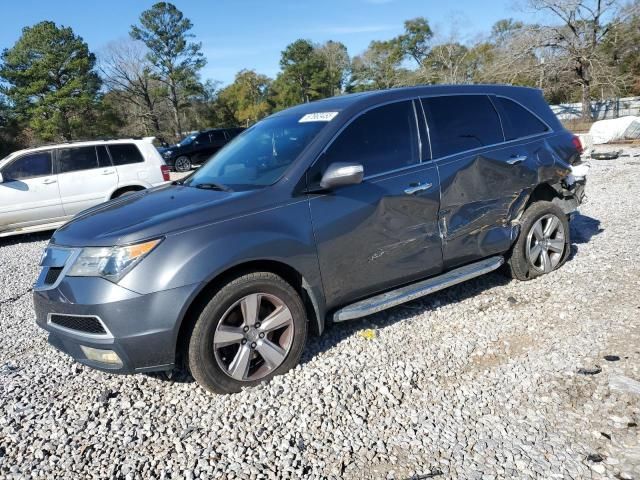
{"x": 390, "y": 299}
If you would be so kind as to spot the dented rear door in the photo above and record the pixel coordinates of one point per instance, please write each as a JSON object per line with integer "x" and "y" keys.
{"x": 482, "y": 179}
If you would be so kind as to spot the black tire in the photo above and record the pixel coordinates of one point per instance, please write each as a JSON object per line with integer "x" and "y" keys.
{"x": 203, "y": 359}
{"x": 519, "y": 265}
{"x": 182, "y": 164}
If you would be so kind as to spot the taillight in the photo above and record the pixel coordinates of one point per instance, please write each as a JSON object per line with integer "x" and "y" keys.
{"x": 165, "y": 173}
{"x": 578, "y": 144}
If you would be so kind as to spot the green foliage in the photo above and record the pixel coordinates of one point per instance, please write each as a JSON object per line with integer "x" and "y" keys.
{"x": 51, "y": 81}
{"x": 415, "y": 42}
{"x": 176, "y": 61}
{"x": 9, "y": 129}
{"x": 378, "y": 67}
{"x": 246, "y": 97}
{"x": 309, "y": 72}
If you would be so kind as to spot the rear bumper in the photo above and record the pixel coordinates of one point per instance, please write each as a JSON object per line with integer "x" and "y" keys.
{"x": 141, "y": 329}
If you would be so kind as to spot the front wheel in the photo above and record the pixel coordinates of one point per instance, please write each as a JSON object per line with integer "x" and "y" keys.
{"x": 543, "y": 244}
{"x": 182, "y": 164}
{"x": 255, "y": 327}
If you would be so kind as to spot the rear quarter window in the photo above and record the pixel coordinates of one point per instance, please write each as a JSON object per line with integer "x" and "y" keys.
{"x": 461, "y": 122}
{"x": 517, "y": 121}
{"x": 125, "y": 154}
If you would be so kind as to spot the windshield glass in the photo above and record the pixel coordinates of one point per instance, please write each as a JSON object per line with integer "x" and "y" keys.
{"x": 259, "y": 156}
{"x": 187, "y": 140}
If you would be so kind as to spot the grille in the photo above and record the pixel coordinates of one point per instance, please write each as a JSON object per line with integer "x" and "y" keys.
{"x": 52, "y": 275}
{"x": 82, "y": 324}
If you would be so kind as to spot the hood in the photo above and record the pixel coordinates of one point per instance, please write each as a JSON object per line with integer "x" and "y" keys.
{"x": 150, "y": 213}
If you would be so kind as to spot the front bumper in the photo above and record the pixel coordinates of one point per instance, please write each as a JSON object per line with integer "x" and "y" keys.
{"x": 141, "y": 329}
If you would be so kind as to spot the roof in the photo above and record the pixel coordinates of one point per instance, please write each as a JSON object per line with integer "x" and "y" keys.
{"x": 84, "y": 143}
{"x": 344, "y": 102}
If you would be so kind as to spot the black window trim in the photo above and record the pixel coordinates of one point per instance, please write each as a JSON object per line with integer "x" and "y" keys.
{"x": 56, "y": 158}
{"x": 358, "y": 115}
{"x": 431, "y": 161}
{"x": 547, "y": 131}
{"x": 493, "y": 145}
{"x": 54, "y": 170}
{"x": 127, "y": 142}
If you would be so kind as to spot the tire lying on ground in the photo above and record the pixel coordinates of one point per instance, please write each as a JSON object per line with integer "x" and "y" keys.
{"x": 605, "y": 155}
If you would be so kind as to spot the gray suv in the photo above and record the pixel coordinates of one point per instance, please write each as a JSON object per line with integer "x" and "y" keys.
{"x": 321, "y": 213}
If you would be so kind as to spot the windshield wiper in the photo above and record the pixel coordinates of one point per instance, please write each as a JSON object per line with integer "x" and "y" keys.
{"x": 213, "y": 186}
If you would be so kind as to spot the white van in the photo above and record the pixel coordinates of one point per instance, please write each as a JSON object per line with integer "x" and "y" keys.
{"x": 42, "y": 188}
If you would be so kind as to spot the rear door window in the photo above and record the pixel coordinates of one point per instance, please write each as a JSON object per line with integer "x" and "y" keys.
{"x": 382, "y": 139}
{"x": 103, "y": 156}
{"x": 124, "y": 154}
{"x": 218, "y": 137}
{"x": 77, "y": 158}
{"x": 203, "y": 138}
{"x": 461, "y": 122}
{"x": 36, "y": 164}
{"x": 517, "y": 121}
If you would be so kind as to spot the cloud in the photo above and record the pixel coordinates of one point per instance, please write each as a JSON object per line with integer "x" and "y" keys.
{"x": 353, "y": 29}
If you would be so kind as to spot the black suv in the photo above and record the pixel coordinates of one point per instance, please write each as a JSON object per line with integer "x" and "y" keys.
{"x": 196, "y": 148}
{"x": 325, "y": 212}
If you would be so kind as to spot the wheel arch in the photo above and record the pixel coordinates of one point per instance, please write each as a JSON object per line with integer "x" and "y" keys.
{"x": 555, "y": 193}
{"x": 132, "y": 187}
{"x": 313, "y": 310}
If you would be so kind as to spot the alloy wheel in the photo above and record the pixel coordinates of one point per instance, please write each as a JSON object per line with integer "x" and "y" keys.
{"x": 254, "y": 337}
{"x": 546, "y": 243}
{"x": 182, "y": 164}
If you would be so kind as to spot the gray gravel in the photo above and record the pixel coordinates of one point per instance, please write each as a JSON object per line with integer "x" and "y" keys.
{"x": 479, "y": 381}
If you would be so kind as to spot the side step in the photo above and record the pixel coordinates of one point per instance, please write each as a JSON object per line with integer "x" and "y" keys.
{"x": 390, "y": 299}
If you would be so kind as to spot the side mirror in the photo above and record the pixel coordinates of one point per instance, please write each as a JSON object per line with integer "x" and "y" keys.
{"x": 342, "y": 173}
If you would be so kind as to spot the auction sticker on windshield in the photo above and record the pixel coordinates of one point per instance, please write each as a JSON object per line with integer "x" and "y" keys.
{"x": 318, "y": 117}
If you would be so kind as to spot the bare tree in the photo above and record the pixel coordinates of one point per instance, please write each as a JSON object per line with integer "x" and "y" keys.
{"x": 582, "y": 27}
{"x": 127, "y": 71}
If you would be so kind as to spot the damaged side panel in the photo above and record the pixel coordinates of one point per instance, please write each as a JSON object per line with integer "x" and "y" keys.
{"x": 484, "y": 195}
{"x": 481, "y": 195}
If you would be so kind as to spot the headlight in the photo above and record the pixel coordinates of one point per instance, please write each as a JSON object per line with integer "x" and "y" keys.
{"x": 112, "y": 263}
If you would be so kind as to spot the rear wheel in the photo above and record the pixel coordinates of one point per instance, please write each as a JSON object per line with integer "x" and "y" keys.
{"x": 252, "y": 329}
{"x": 543, "y": 244}
{"x": 123, "y": 193}
{"x": 182, "y": 164}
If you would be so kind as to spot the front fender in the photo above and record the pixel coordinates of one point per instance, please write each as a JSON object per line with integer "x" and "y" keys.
{"x": 199, "y": 255}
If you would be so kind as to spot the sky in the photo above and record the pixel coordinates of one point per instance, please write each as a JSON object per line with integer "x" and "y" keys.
{"x": 237, "y": 34}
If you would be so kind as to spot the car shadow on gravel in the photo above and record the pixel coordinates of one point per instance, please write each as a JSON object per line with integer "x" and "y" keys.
{"x": 583, "y": 228}
{"x": 336, "y": 333}
{"x": 25, "y": 238}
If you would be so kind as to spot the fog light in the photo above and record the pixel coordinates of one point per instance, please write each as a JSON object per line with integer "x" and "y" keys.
{"x": 102, "y": 356}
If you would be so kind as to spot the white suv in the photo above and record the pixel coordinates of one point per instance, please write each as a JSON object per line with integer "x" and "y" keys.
{"x": 42, "y": 188}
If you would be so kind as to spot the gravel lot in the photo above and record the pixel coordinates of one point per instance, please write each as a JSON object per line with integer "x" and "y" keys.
{"x": 479, "y": 381}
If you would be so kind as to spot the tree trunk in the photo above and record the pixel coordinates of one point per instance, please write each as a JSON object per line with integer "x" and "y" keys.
{"x": 175, "y": 103}
{"x": 154, "y": 117}
{"x": 65, "y": 127}
{"x": 586, "y": 102}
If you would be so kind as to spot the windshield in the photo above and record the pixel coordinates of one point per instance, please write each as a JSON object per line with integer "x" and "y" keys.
{"x": 259, "y": 156}
{"x": 187, "y": 140}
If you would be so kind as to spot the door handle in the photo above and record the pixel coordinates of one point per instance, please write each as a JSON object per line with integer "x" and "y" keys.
{"x": 108, "y": 172}
{"x": 418, "y": 188}
{"x": 516, "y": 159}
{"x": 48, "y": 181}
